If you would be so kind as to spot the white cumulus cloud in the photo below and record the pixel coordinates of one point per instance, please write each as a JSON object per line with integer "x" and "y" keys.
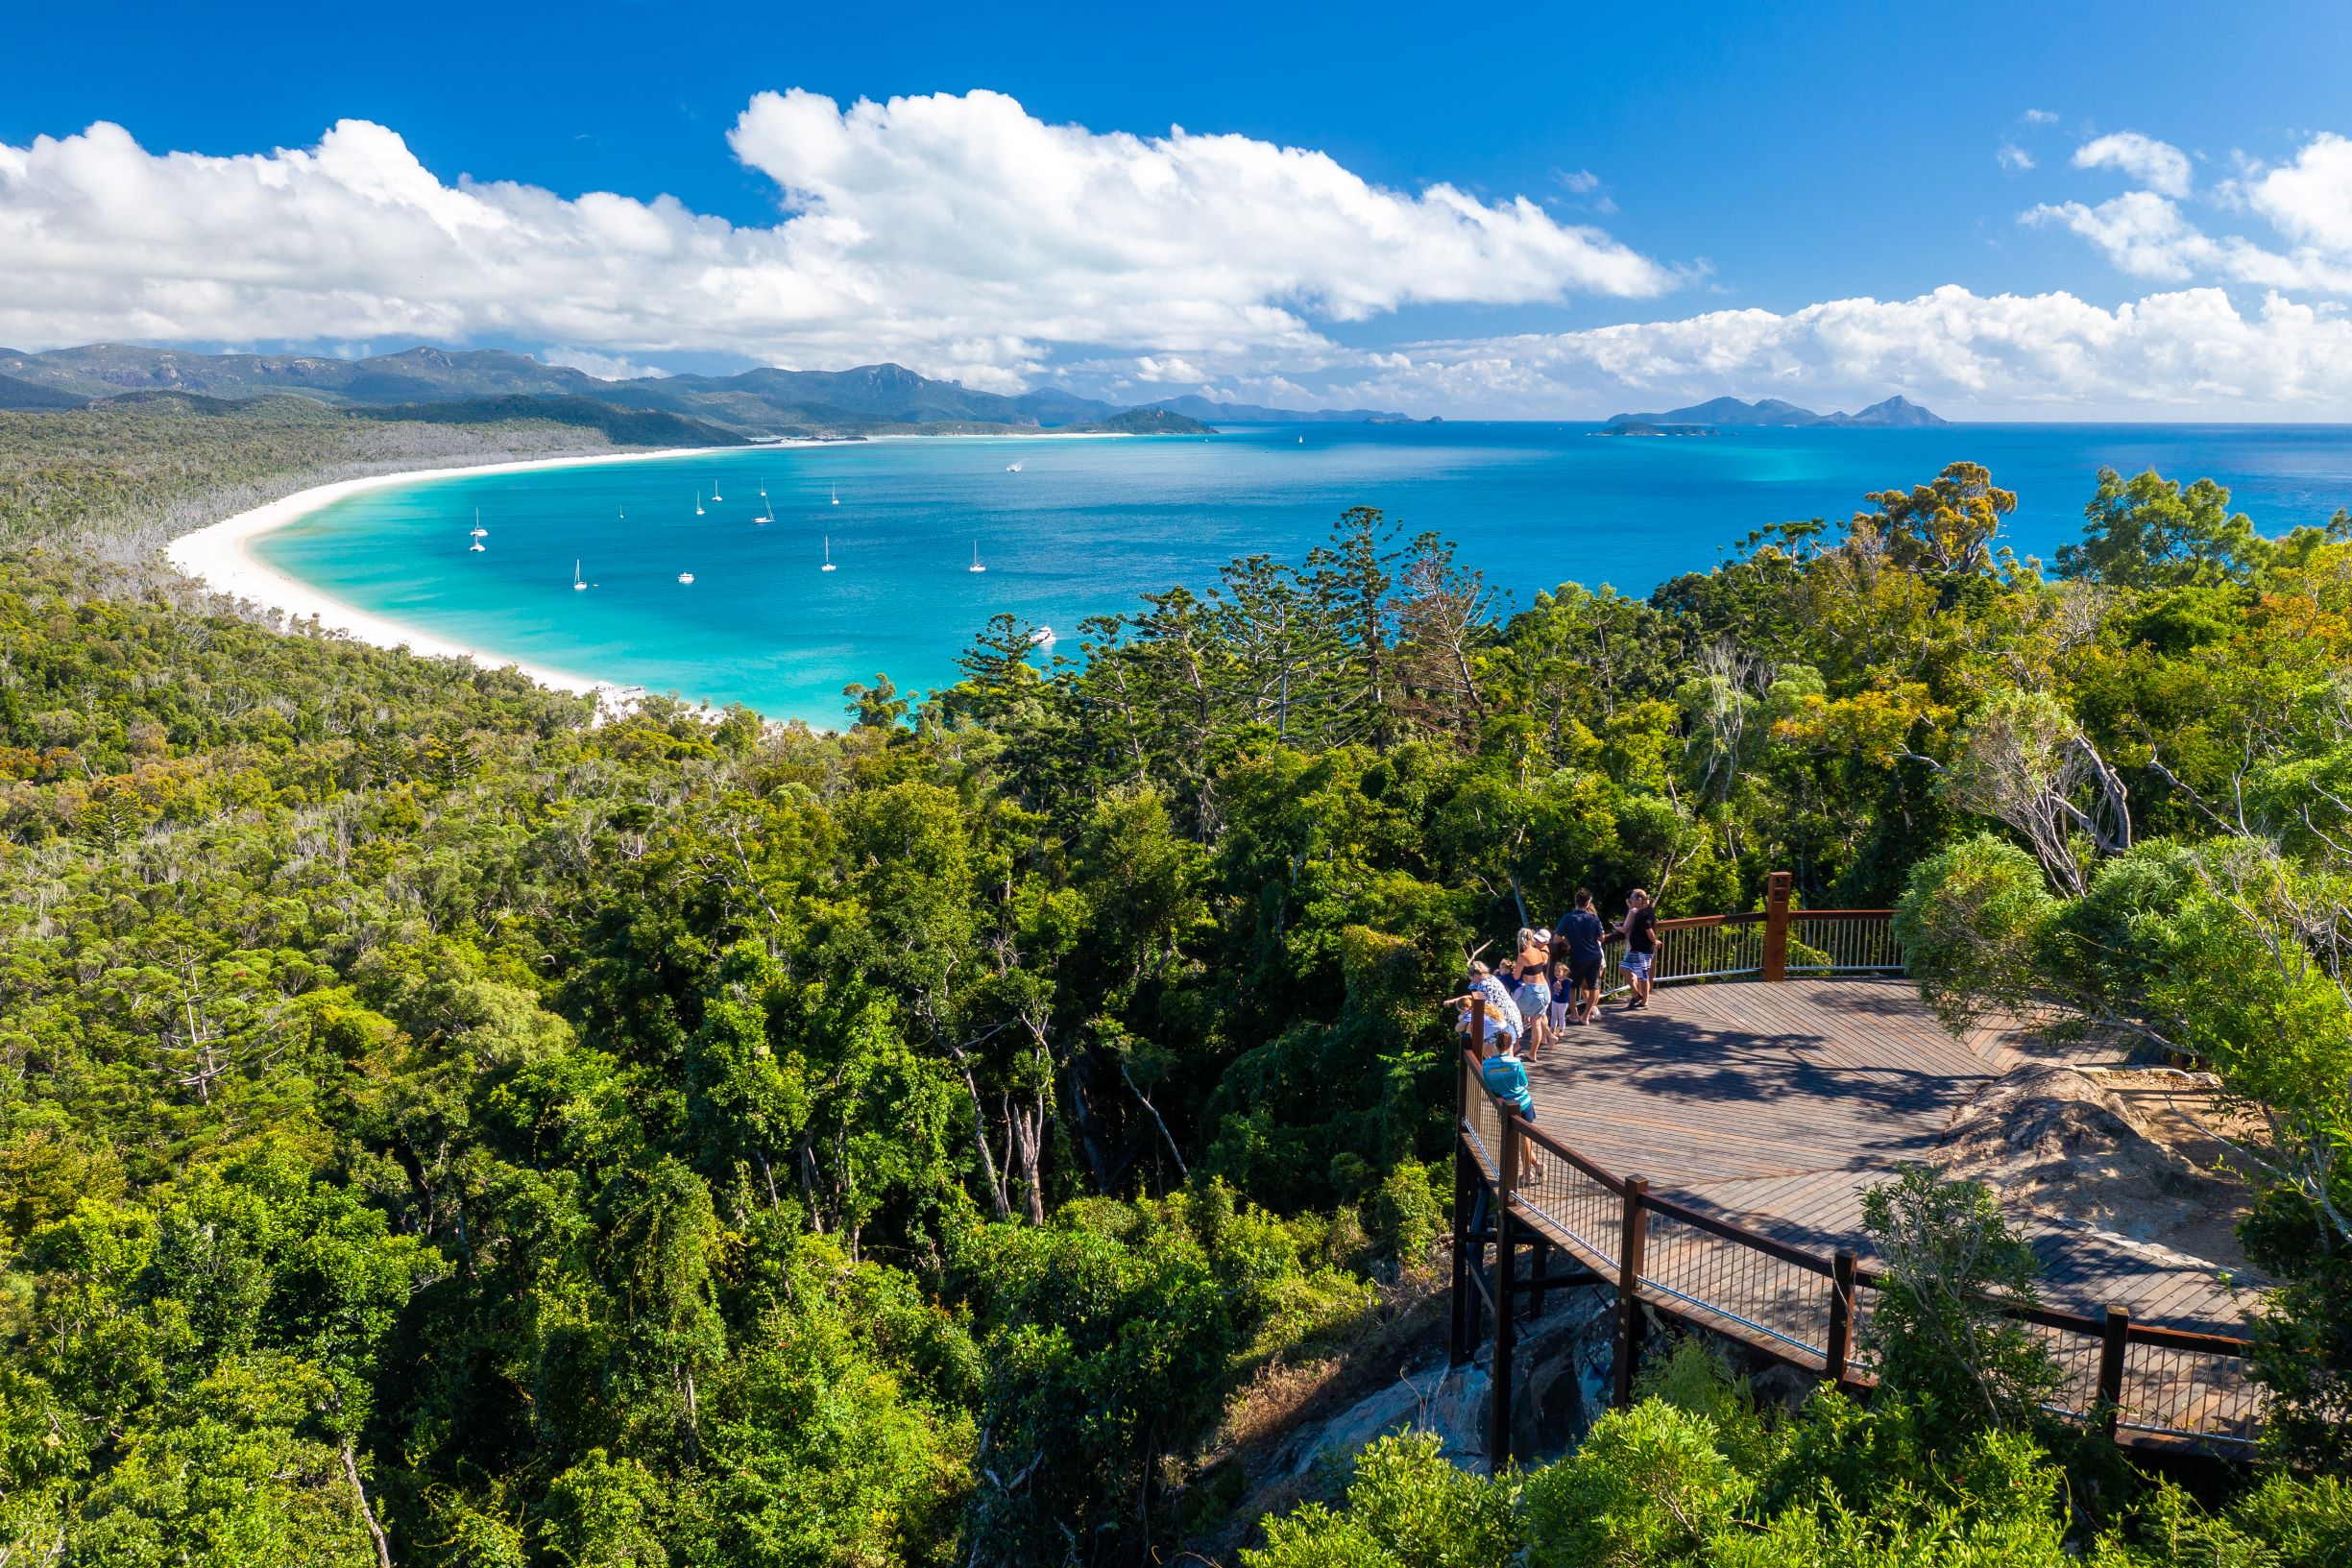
{"x": 961, "y": 235}
{"x": 2148, "y": 234}
{"x": 2309, "y": 201}
{"x": 2159, "y": 166}
{"x": 604, "y": 367}
{"x": 2042, "y": 355}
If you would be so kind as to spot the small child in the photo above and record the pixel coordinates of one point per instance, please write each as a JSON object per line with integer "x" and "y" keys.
{"x": 1505, "y": 1077}
{"x": 1503, "y": 1021}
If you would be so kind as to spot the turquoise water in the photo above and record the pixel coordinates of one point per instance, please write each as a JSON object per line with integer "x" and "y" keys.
{"x": 1086, "y": 526}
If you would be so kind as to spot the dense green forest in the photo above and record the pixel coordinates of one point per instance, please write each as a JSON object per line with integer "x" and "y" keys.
{"x": 439, "y": 1129}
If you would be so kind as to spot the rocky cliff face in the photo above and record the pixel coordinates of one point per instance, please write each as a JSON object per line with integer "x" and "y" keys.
{"x": 1560, "y": 1381}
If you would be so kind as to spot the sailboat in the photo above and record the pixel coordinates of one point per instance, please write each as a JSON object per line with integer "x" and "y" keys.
{"x": 698, "y": 502}
{"x": 716, "y": 497}
{"x": 976, "y": 565}
{"x": 1013, "y": 468}
{"x": 577, "y": 586}
{"x": 837, "y": 494}
{"x": 1302, "y": 441}
{"x": 478, "y": 530}
{"x": 828, "y": 566}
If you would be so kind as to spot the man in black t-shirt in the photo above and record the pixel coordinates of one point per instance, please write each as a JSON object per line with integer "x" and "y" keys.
{"x": 1641, "y": 940}
{"x": 1578, "y": 941}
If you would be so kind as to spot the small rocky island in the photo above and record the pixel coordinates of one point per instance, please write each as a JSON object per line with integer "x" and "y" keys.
{"x": 1622, "y": 426}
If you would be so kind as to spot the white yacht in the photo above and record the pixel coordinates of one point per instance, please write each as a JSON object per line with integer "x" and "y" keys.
{"x": 577, "y": 586}
{"x": 828, "y": 566}
{"x": 1013, "y": 468}
{"x": 976, "y": 565}
{"x": 716, "y": 497}
{"x": 686, "y": 577}
{"x": 698, "y": 503}
{"x": 837, "y": 494}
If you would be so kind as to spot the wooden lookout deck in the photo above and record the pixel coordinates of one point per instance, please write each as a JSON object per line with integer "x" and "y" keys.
{"x": 1706, "y": 1159}
{"x": 1775, "y": 1106}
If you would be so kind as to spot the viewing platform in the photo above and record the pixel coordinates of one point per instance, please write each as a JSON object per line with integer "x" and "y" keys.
{"x": 1775, "y": 1106}
{"x": 1715, "y": 1148}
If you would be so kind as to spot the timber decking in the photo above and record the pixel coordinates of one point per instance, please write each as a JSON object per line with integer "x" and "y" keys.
{"x": 1775, "y": 1105}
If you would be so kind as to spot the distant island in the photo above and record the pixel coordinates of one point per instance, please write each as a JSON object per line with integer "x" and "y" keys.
{"x": 472, "y": 386}
{"x": 1894, "y": 414}
{"x": 1623, "y": 426}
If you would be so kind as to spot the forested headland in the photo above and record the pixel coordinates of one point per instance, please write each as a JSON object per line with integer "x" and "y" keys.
{"x": 437, "y": 1128}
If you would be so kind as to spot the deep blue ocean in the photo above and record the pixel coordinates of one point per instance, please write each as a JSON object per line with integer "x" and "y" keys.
{"x": 1088, "y": 524}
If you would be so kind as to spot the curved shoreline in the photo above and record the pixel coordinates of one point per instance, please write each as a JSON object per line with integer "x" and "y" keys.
{"x": 218, "y": 556}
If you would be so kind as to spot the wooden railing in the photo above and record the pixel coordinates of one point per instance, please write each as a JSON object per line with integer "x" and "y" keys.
{"x": 1769, "y": 943}
{"x": 2144, "y": 1384}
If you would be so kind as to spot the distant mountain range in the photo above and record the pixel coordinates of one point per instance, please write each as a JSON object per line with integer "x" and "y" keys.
{"x": 1195, "y": 406}
{"x": 868, "y": 401}
{"x": 1896, "y": 413}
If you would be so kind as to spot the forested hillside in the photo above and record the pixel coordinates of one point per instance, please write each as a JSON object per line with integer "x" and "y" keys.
{"x": 436, "y": 1129}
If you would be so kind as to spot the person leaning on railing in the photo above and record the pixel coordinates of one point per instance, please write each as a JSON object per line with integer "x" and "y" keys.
{"x": 1503, "y": 1021}
{"x": 1642, "y": 940}
{"x": 1499, "y": 1068}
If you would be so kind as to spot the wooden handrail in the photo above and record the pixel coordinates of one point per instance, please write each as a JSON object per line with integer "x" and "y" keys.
{"x": 2153, "y": 1335}
{"x": 1754, "y": 1241}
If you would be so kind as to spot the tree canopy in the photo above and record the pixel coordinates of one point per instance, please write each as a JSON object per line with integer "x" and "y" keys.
{"x": 436, "y": 1124}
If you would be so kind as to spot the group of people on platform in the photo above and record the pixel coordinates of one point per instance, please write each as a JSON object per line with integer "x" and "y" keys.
{"x": 1553, "y": 982}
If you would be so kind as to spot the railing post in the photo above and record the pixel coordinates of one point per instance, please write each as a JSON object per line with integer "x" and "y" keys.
{"x": 1498, "y": 1423}
{"x": 1632, "y": 1248}
{"x": 2113, "y": 1338}
{"x": 1841, "y": 1318}
{"x": 1465, "y": 1196}
{"x": 1775, "y": 925}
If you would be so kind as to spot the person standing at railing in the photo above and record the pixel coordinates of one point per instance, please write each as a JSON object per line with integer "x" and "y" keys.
{"x": 1639, "y": 929}
{"x": 1505, "y": 1077}
{"x": 1576, "y": 954}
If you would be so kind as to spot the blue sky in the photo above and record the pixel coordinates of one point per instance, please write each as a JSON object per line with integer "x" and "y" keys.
{"x": 1715, "y": 160}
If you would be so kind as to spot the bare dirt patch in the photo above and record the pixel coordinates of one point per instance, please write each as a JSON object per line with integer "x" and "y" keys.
{"x": 2137, "y": 1152}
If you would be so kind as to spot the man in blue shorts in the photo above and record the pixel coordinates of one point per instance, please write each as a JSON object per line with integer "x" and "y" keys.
{"x": 1642, "y": 942}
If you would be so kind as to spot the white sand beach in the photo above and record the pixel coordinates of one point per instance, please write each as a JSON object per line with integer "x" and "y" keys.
{"x": 219, "y": 556}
